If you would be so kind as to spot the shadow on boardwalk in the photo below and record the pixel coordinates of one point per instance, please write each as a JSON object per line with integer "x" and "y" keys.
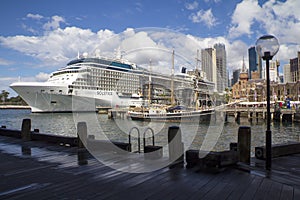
{"x": 52, "y": 172}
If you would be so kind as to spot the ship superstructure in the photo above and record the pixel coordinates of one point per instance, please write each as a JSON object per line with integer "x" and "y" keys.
{"x": 86, "y": 83}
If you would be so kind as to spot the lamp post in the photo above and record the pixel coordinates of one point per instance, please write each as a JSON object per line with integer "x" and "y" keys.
{"x": 266, "y": 47}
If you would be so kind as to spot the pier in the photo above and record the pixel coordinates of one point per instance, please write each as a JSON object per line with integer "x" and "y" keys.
{"x": 37, "y": 168}
{"x": 254, "y": 113}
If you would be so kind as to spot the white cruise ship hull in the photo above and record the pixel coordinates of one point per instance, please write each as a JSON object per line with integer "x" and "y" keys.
{"x": 44, "y": 97}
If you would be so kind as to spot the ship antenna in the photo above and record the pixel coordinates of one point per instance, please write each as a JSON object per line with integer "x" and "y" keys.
{"x": 78, "y": 55}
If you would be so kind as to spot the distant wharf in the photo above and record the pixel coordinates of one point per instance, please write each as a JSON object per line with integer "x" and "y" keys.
{"x": 14, "y": 107}
{"x": 39, "y": 169}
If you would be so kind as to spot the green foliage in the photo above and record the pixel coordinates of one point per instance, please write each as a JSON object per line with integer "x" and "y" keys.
{"x": 12, "y": 100}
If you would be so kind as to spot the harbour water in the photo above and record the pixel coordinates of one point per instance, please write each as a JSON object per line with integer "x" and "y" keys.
{"x": 206, "y": 136}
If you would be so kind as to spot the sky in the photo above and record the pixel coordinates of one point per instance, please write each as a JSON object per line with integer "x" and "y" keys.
{"x": 39, "y": 37}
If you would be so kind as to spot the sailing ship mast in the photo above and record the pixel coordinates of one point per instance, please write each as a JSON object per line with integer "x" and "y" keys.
{"x": 197, "y": 71}
{"x": 172, "y": 80}
{"x": 149, "y": 86}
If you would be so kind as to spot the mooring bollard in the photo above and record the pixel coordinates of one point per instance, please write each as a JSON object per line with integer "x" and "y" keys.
{"x": 82, "y": 142}
{"x": 25, "y": 131}
{"x": 244, "y": 144}
{"x": 176, "y": 148}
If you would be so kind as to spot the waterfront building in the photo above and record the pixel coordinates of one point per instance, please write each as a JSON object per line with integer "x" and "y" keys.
{"x": 294, "y": 68}
{"x": 239, "y": 89}
{"x": 255, "y": 75}
{"x": 255, "y": 90}
{"x": 287, "y": 73}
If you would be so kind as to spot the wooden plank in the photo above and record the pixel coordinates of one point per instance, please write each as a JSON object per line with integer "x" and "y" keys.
{"x": 237, "y": 183}
{"x": 287, "y": 192}
{"x": 253, "y": 187}
{"x": 59, "y": 176}
{"x": 296, "y": 194}
{"x": 275, "y": 191}
{"x": 207, "y": 187}
{"x": 263, "y": 189}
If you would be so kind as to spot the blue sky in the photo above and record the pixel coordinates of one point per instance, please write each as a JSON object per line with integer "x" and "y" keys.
{"x": 38, "y": 37}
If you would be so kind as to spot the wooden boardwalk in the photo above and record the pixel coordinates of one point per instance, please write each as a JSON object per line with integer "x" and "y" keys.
{"x": 52, "y": 172}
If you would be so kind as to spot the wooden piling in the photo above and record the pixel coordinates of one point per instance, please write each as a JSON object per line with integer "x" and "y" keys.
{"x": 244, "y": 144}
{"x": 25, "y": 131}
{"x": 82, "y": 142}
{"x": 237, "y": 116}
{"x": 81, "y": 134}
{"x": 176, "y": 147}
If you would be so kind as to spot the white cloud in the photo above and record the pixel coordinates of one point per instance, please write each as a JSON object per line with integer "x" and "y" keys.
{"x": 54, "y": 23}
{"x": 191, "y": 6}
{"x": 41, "y": 77}
{"x": 5, "y": 62}
{"x": 58, "y": 46}
{"x": 34, "y": 16}
{"x": 243, "y": 17}
{"x": 205, "y": 17}
{"x": 281, "y": 19}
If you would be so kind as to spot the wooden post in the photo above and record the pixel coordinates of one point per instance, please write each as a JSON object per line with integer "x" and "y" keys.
{"x": 25, "y": 131}
{"x": 176, "y": 147}
{"x": 81, "y": 134}
{"x": 25, "y": 134}
{"x": 237, "y": 116}
{"x": 82, "y": 142}
{"x": 244, "y": 144}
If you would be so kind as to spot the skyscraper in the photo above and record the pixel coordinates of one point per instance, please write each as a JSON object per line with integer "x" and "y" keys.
{"x": 222, "y": 79}
{"x": 214, "y": 65}
{"x": 254, "y": 62}
{"x": 287, "y": 73}
{"x": 235, "y": 76}
{"x": 294, "y": 67}
{"x": 209, "y": 65}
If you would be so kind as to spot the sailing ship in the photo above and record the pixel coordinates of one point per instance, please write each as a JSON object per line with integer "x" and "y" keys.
{"x": 202, "y": 111}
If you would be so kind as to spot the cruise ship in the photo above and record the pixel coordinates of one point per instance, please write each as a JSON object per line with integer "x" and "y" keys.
{"x": 87, "y": 83}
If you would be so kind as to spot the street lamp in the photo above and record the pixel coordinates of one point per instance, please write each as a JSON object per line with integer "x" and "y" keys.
{"x": 266, "y": 47}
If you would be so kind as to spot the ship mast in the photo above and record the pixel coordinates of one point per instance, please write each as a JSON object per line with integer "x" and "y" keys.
{"x": 149, "y": 86}
{"x": 197, "y": 71}
{"x": 172, "y": 80}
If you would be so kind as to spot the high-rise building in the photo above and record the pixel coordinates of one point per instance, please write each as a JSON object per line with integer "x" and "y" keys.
{"x": 254, "y": 62}
{"x": 222, "y": 79}
{"x": 209, "y": 65}
{"x": 214, "y": 66}
{"x": 287, "y": 73}
{"x": 235, "y": 76}
{"x": 273, "y": 72}
{"x": 294, "y": 67}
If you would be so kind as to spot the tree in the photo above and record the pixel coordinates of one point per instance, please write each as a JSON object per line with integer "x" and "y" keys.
{"x": 4, "y": 95}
